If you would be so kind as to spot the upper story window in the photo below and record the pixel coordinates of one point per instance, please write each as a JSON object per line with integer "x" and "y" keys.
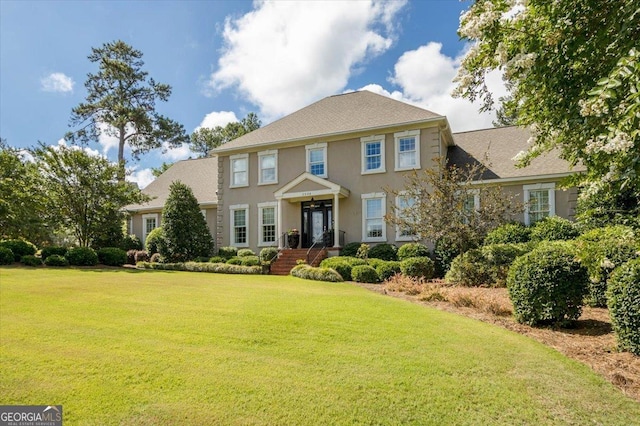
{"x": 373, "y": 211}
{"x": 407, "y": 150}
{"x": 373, "y": 154}
{"x": 404, "y": 203}
{"x": 540, "y": 202}
{"x": 317, "y": 159}
{"x": 267, "y": 167}
{"x": 239, "y": 170}
{"x": 239, "y": 225}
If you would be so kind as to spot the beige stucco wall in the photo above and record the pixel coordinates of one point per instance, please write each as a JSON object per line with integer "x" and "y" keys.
{"x": 211, "y": 216}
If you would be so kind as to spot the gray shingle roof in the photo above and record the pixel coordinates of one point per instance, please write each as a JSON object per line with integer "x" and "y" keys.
{"x": 201, "y": 175}
{"x": 495, "y": 148}
{"x": 334, "y": 115}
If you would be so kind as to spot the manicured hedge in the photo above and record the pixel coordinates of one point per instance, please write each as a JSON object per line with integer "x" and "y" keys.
{"x": 623, "y": 297}
{"x": 317, "y": 274}
{"x": 246, "y": 252}
{"x": 417, "y": 267}
{"x": 384, "y": 252}
{"x": 364, "y": 274}
{"x": 249, "y": 260}
{"x": 227, "y": 252}
{"x": 412, "y": 250}
{"x": 56, "y": 260}
{"x": 6, "y": 256}
{"x": 268, "y": 254}
{"x": 220, "y": 268}
{"x": 388, "y": 269}
{"x": 49, "y": 250}
{"x": 31, "y": 260}
{"x": 552, "y": 229}
{"x": 155, "y": 239}
{"x": 509, "y": 233}
{"x": 350, "y": 249}
{"x": 112, "y": 256}
{"x": 19, "y": 248}
{"x": 82, "y": 256}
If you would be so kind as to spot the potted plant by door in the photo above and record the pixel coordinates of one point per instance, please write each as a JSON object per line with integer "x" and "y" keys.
{"x": 293, "y": 238}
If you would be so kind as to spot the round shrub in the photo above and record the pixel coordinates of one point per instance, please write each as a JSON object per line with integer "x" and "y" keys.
{"x": 82, "y": 256}
{"x": 142, "y": 256}
{"x": 19, "y": 248}
{"x": 131, "y": 242}
{"x": 56, "y": 260}
{"x": 547, "y": 285}
{"x": 384, "y": 252}
{"x": 217, "y": 259}
{"x": 268, "y": 254}
{"x": 623, "y": 297}
{"x": 509, "y": 233}
{"x": 388, "y": 269}
{"x": 412, "y": 250}
{"x": 155, "y": 258}
{"x": 364, "y": 274}
{"x": 444, "y": 252}
{"x": 350, "y": 249}
{"x": 417, "y": 267}
{"x": 154, "y": 240}
{"x": 48, "y": 251}
{"x": 112, "y": 256}
{"x": 201, "y": 259}
{"x": 340, "y": 266}
{"x": 6, "y": 256}
{"x": 249, "y": 260}
{"x": 31, "y": 260}
{"x": 469, "y": 269}
{"x": 552, "y": 229}
{"x": 318, "y": 274}
{"x": 246, "y": 252}
{"x": 375, "y": 262}
{"x": 601, "y": 250}
{"x": 234, "y": 261}
{"x": 227, "y": 252}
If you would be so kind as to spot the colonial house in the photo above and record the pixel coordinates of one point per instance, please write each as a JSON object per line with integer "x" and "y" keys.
{"x": 323, "y": 171}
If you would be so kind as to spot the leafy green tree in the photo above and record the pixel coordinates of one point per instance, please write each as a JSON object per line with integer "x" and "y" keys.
{"x": 186, "y": 234}
{"x": 206, "y": 139}
{"x": 121, "y": 102}
{"x": 440, "y": 204}
{"x": 84, "y": 192}
{"x": 157, "y": 171}
{"x": 573, "y": 71}
{"x": 21, "y": 198}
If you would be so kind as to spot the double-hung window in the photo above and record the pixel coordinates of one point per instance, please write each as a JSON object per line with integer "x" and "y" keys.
{"x": 404, "y": 204}
{"x": 373, "y": 154}
{"x": 268, "y": 167}
{"x": 373, "y": 211}
{"x": 540, "y": 202}
{"x": 317, "y": 159}
{"x": 239, "y": 170}
{"x": 239, "y": 225}
{"x": 149, "y": 223}
{"x": 407, "y": 150}
{"x": 470, "y": 204}
{"x": 267, "y": 218}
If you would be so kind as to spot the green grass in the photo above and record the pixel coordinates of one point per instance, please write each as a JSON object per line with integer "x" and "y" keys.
{"x": 117, "y": 347}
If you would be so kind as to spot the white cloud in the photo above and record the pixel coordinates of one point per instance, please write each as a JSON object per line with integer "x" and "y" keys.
{"x": 142, "y": 177}
{"x": 217, "y": 118}
{"x": 284, "y": 55}
{"x": 174, "y": 154}
{"x": 57, "y": 82}
{"x": 63, "y": 144}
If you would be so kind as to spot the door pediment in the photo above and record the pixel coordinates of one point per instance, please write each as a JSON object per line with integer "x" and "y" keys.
{"x": 306, "y": 186}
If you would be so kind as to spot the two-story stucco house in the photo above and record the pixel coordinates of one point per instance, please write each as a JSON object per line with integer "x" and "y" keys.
{"x": 323, "y": 171}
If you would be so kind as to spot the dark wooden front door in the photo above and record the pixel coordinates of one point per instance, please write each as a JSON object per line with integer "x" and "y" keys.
{"x": 316, "y": 219}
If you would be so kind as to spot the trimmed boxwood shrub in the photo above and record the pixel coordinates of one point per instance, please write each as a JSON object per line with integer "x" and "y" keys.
{"x": 56, "y": 260}
{"x": 112, "y": 256}
{"x": 234, "y": 261}
{"x": 48, "y": 251}
{"x": 227, "y": 252}
{"x": 317, "y": 274}
{"x": 217, "y": 259}
{"x": 154, "y": 240}
{"x": 82, "y": 256}
{"x": 509, "y": 233}
{"x": 388, "y": 269}
{"x": 340, "y": 266}
{"x": 268, "y": 254}
{"x": 350, "y": 249}
{"x": 219, "y": 268}
{"x": 31, "y": 260}
{"x": 417, "y": 267}
{"x": 246, "y": 252}
{"x": 19, "y": 248}
{"x": 384, "y": 252}
{"x": 623, "y": 297}
{"x": 142, "y": 256}
{"x": 364, "y": 274}
{"x": 412, "y": 250}
{"x": 552, "y": 229}
{"x": 444, "y": 252}
{"x": 131, "y": 242}
{"x": 601, "y": 250}
{"x": 249, "y": 260}
{"x": 6, "y": 256}
{"x": 547, "y": 285}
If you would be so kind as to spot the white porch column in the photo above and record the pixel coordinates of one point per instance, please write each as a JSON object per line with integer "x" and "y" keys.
{"x": 280, "y": 221}
{"x": 336, "y": 220}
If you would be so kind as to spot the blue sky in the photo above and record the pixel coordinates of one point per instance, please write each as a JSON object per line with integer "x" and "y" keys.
{"x": 224, "y": 59}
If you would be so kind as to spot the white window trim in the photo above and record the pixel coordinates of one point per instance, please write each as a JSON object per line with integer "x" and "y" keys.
{"x": 366, "y": 197}
{"x": 399, "y": 237}
{"x": 261, "y": 206}
{"x": 397, "y": 137}
{"x": 130, "y": 225}
{"x": 551, "y": 187}
{"x": 314, "y": 146}
{"x": 233, "y": 158}
{"x": 144, "y": 225}
{"x": 363, "y": 149}
{"x": 261, "y": 154}
{"x": 232, "y": 209}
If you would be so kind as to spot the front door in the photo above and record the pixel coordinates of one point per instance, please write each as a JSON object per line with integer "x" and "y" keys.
{"x": 316, "y": 219}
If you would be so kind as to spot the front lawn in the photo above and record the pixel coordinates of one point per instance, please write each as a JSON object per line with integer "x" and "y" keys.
{"x": 137, "y": 347}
